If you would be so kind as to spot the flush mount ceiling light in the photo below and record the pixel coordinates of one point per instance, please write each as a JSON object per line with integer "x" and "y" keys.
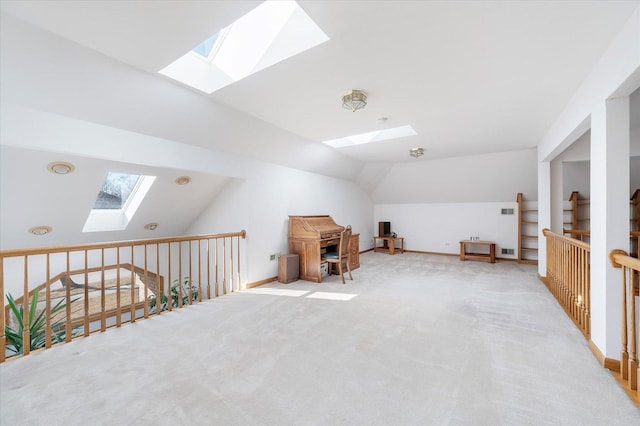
{"x": 183, "y": 180}
{"x": 354, "y": 100}
{"x": 40, "y": 230}
{"x": 416, "y": 152}
{"x": 60, "y": 167}
{"x": 151, "y": 226}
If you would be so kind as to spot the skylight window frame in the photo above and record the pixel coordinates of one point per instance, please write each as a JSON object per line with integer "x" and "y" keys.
{"x": 244, "y": 50}
{"x": 222, "y": 35}
{"x": 104, "y": 220}
{"x": 373, "y": 137}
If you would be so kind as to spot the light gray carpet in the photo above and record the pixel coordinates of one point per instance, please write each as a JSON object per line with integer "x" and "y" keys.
{"x": 426, "y": 340}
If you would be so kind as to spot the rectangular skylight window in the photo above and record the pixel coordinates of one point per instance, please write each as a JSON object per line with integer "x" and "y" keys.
{"x": 378, "y": 135}
{"x": 115, "y": 191}
{"x": 117, "y": 201}
{"x": 270, "y": 33}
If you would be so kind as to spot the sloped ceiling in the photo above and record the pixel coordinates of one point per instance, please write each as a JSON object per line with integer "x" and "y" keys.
{"x": 472, "y": 77}
{"x": 32, "y": 196}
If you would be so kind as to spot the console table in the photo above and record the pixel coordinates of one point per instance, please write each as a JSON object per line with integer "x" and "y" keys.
{"x": 388, "y": 244}
{"x": 491, "y": 256}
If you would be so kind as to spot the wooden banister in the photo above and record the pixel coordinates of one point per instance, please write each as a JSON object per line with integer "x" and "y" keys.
{"x": 568, "y": 278}
{"x": 629, "y": 363}
{"x": 148, "y": 277}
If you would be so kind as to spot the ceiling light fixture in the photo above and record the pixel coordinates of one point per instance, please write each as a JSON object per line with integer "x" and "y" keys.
{"x": 416, "y": 152}
{"x": 354, "y": 100}
{"x": 60, "y": 167}
{"x": 151, "y": 226}
{"x": 183, "y": 180}
{"x": 40, "y": 230}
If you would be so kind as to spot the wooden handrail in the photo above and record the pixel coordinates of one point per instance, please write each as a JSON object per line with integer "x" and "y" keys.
{"x": 582, "y": 244}
{"x": 630, "y": 271}
{"x": 578, "y": 234}
{"x": 576, "y": 231}
{"x": 114, "y": 244}
{"x": 180, "y": 272}
{"x": 568, "y": 277}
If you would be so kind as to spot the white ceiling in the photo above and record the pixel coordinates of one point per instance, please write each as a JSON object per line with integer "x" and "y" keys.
{"x": 470, "y": 77}
{"x": 34, "y": 196}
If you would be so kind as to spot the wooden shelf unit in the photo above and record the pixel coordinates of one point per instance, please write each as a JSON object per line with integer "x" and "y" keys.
{"x": 580, "y": 217}
{"x": 527, "y": 231}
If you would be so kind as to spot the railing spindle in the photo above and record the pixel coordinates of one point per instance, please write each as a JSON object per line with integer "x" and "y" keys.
{"x": 67, "y": 324}
{"x": 47, "y": 336}
{"x": 103, "y": 295}
{"x": 118, "y": 311}
{"x": 132, "y": 302}
{"x": 86, "y": 293}
{"x": 26, "y": 337}
{"x": 169, "y": 292}
{"x": 146, "y": 282}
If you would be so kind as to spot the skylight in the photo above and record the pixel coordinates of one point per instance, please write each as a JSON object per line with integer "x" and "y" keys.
{"x": 270, "y": 33}
{"x": 115, "y": 191}
{"x": 378, "y": 135}
{"x": 117, "y": 201}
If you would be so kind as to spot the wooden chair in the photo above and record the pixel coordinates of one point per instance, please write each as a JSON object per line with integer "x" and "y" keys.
{"x": 340, "y": 258}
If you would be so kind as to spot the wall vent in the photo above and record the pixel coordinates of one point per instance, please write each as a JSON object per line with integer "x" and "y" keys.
{"x": 508, "y": 251}
{"x": 507, "y": 211}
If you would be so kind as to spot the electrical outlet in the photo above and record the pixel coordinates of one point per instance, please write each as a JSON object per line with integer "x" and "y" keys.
{"x": 508, "y": 251}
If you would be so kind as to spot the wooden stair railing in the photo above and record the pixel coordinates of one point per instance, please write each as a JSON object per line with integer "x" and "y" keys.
{"x": 568, "y": 277}
{"x": 629, "y": 363}
{"x": 166, "y": 272}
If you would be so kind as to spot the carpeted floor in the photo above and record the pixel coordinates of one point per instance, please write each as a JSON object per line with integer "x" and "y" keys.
{"x": 414, "y": 339}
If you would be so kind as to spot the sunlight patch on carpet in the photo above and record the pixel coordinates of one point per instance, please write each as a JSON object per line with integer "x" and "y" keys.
{"x": 331, "y": 296}
{"x": 276, "y": 292}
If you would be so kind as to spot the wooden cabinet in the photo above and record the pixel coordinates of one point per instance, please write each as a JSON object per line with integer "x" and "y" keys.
{"x": 354, "y": 252}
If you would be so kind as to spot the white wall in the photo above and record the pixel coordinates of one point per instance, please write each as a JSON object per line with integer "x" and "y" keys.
{"x": 269, "y": 195}
{"x": 439, "y": 227}
{"x": 436, "y": 203}
{"x": 478, "y": 178}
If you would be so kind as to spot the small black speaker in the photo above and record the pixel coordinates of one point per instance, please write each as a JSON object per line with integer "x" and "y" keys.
{"x": 288, "y": 268}
{"x": 384, "y": 229}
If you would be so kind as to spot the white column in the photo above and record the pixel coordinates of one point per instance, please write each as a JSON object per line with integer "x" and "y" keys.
{"x": 557, "y": 204}
{"x": 544, "y": 212}
{"x": 609, "y": 218}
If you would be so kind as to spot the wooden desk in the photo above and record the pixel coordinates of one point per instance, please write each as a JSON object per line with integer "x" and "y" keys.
{"x": 491, "y": 256}
{"x": 388, "y": 244}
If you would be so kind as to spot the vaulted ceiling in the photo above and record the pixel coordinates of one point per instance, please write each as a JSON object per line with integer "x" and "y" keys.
{"x": 471, "y": 77}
